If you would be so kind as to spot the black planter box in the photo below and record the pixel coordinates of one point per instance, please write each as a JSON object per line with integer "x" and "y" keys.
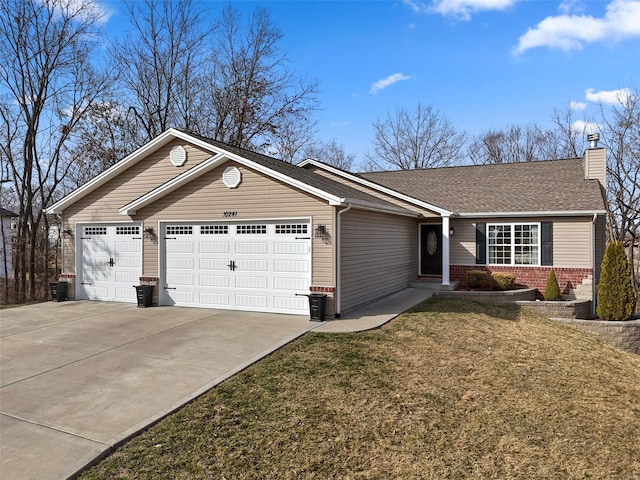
{"x": 58, "y": 291}
{"x": 144, "y": 293}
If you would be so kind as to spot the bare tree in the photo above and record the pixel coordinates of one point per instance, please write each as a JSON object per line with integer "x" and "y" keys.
{"x": 289, "y": 141}
{"x": 104, "y": 136}
{"x": 47, "y": 84}
{"x": 162, "y": 62}
{"x": 620, "y": 129}
{"x": 406, "y": 140}
{"x": 513, "y": 144}
{"x": 570, "y": 133}
{"x": 331, "y": 153}
{"x": 253, "y": 96}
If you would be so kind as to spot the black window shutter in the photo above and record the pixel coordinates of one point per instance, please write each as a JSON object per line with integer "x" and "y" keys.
{"x": 546, "y": 243}
{"x": 481, "y": 243}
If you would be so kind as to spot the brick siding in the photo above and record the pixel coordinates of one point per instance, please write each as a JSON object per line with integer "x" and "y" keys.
{"x": 535, "y": 277}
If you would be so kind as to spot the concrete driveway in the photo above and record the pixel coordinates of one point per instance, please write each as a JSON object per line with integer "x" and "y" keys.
{"x": 77, "y": 378}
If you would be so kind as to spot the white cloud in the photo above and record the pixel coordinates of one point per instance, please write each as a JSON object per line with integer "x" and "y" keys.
{"x": 571, "y": 6}
{"x": 388, "y": 81}
{"x": 580, "y": 126}
{"x": 573, "y": 105}
{"x": 612, "y": 97}
{"x": 85, "y": 10}
{"x": 461, "y": 9}
{"x": 570, "y": 32}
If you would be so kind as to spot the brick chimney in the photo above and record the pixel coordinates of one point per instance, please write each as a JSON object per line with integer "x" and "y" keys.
{"x": 595, "y": 161}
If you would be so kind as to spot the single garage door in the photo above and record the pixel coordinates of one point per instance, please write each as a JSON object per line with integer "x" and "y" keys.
{"x": 111, "y": 262}
{"x": 256, "y": 266}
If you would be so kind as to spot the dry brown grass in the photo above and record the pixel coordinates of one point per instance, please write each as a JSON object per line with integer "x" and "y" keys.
{"x": 452, "y": 389}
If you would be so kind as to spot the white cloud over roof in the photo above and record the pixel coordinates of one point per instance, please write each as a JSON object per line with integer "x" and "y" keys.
{"x": 461, "y": 9}
{"x": 388, "y": 81}
{"x": 580, "y": 127}
{"x": 570, "y": 32}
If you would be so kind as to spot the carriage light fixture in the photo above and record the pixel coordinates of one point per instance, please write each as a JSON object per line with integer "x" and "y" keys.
{"x": 451, "y": 232}
{"x": 320, "y": 231}
{"x": 66, "y": 233}
{"x": 149, "y": 233}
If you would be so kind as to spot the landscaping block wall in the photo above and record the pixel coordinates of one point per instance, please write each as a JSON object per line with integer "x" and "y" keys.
{"x": 625, "y": 335}
{"x": 570, "y": 309}
{"x": 534, "y": 277}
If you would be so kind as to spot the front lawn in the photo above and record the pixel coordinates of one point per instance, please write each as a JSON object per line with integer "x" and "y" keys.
{"x": 451, "y": 389}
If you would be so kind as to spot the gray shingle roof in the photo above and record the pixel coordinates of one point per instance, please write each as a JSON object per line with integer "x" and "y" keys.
{"x": 540, "y": 186}
{"x": 7, "y": 213}
{"x": 302, "y": 174}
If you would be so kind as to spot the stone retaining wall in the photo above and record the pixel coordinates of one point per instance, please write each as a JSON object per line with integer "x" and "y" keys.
{"x": 562, "y": 309}
{"x": 508, "y": 296}
{"x": 624, "y": 335}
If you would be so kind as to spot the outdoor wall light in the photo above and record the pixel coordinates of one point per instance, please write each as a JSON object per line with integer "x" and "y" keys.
{"x": 320, "y": 231}
{"x": 149, "y": 233}
{"x": 66, "y": 233}
{"x": 451, "y": 232}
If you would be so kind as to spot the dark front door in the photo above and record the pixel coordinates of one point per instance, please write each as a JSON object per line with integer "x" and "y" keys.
{"x": 431, "y": 249}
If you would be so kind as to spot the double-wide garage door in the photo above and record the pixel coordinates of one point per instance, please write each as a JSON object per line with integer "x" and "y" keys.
{"x": 256, "y": 266}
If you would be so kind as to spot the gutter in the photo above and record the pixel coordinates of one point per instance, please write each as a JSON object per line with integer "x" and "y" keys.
{"x": 338, "y": 293}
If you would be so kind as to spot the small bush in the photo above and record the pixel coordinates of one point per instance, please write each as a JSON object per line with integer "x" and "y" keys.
{"x": 616, "y": 299}
{"x": 504, "y": 281}
{"x": 552, "y": 289}
{"x": 474, "y": 278}
{"x": 487, "y": 283}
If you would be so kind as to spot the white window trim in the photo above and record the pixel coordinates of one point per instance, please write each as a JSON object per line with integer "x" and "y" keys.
{"x": 538, "y": 245}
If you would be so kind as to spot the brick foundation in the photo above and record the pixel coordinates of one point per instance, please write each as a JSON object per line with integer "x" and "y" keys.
{"x": 146, "y": 280}
{"x": 535, "y": 277}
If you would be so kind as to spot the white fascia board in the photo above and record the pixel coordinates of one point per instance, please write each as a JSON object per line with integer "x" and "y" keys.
{"x": 566, "y": 213}
{"x": 170, "y": 186}
{"x": 376, "y": 186}
{"x": 123, "y": 164}
{"x": 209, "y": 164}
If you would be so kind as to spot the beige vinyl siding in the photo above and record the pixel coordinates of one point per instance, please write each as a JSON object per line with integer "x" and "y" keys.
{"x": 571, "y": 239}
{"x": 320, "y": 171}
{"x": 595, "y": 165}
{"x": 378, "y": 255}
{"x": 257, "y": 197}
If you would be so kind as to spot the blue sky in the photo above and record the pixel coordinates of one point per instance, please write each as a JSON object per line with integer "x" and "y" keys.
{"x": 483, "y": 63}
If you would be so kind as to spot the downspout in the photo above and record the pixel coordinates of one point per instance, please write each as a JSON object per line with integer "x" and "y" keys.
{"x": 594, "y": 296}
{"x": 338, "y": 293}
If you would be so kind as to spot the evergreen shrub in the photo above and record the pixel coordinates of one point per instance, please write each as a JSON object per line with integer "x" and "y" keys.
{"x": 616, "y": 299}
{"x": 552, "y": 289}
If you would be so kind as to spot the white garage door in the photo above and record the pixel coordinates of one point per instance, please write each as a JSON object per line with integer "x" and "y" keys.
{"x": 111, "y": 262}
{"x": 258, "y": 266}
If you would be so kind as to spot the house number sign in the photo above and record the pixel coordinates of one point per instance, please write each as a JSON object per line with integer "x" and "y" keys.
{"x": 230, "y": 214}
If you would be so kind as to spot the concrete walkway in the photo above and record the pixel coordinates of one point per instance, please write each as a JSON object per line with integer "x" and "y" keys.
{"x": 78, "y": 378}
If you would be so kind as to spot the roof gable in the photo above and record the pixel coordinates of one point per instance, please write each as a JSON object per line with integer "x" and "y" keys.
{"x": 333, "y": 192}
{"x": 357, "y": 179}
{"x": 127, "y": 162}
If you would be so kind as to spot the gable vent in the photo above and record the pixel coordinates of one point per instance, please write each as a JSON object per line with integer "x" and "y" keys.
{"x": 231, "y": 177}
{"x": 178, "y": 156}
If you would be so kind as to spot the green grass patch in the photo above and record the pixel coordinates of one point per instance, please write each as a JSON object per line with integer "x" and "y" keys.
{"x": 450, "y": 389}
